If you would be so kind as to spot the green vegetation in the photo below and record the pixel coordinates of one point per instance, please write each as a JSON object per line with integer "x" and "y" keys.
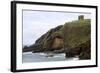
{"x": 76, "y": 32}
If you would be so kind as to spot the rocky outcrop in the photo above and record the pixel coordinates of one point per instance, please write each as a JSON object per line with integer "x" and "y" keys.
{"x": 45, "y": 42}
{"x": 48, "y": 34}
{"x": 83, "y": 51}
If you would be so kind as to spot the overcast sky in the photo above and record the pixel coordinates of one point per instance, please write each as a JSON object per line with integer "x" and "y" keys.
{"x": 36, "y": 23}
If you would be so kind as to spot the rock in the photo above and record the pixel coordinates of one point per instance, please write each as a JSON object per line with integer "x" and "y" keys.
{"x": 47, "y": 39}
{"x": 83, "y": 51}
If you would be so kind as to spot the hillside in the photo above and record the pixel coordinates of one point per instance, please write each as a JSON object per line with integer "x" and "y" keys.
{"x": 76, "y": 32}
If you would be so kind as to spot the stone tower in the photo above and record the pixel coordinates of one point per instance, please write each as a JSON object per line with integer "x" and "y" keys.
{"x": 81, "y": 17}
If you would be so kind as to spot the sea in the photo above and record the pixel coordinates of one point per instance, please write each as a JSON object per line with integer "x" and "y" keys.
{"x": 30, "y": 57}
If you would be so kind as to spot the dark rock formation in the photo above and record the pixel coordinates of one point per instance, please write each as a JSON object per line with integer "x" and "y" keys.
{"x": 48, "y": 34}
{"x": 47, "y": 39}
{"x": 83, "y": 51}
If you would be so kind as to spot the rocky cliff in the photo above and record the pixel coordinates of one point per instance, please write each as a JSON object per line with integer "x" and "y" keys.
{"x": 72, "y": 38}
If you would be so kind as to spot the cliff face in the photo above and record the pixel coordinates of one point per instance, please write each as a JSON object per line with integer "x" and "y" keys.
{"x": 46, "y": 41}
{"x": 72, "y": 38}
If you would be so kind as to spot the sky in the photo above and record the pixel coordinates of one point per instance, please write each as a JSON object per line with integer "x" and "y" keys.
{"x": 36, "y": 23}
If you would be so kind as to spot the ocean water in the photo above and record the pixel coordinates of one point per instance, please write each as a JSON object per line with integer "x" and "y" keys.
{"x": 43, "y": 57}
